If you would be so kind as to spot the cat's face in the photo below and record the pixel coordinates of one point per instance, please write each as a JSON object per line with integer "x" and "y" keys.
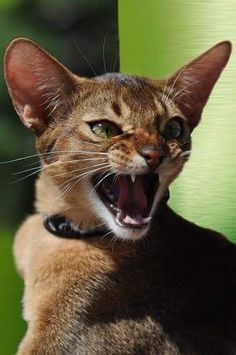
{"x": 126, "y": 145}
{"x": 110, "y": 145}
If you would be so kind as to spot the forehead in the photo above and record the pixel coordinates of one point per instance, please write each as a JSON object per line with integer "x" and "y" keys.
{"x": 123, "y": 98}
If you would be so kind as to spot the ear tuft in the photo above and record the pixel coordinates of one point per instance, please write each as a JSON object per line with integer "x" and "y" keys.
{"x": 193, "y": 83}
{"x": 39, "y": 85}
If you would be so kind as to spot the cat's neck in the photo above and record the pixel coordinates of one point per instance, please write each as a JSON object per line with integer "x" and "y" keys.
{"x": 50, "y": 201}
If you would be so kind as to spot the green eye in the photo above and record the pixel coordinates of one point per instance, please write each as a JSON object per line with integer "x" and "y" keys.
{"x": 105, "y": 129}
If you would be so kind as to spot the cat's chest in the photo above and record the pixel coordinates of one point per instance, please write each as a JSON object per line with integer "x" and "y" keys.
{"x": 153, "y": 279}
{"x": 154, "y": 304}
{"x": 153, "y": 297}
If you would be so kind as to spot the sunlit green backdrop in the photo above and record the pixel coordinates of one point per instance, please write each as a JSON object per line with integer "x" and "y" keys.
{"x": 156, "y": 37}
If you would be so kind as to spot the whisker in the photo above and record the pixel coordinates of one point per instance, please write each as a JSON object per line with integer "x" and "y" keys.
{"x": 66, "y": 190}
{"x": 34, "y": 163}
{"x": 115, "y": 238}
{"x": 52, "y": 153}
{"x": 164, "y": 91}
{"x": 58, "y": 163}
{"x": 19, "y": 159}
{"x": 174, "y": 82}
{"x": 114, "y": 64}
{"x": 187, "y": 152}
{"x": 103, "y": 50}
{"x": 84, "y": 56}
{"x": 90, "y": 152}
{"x": 37, "y": 170}
{"x": 177, "y": 96}
{"x": 185, "y": 142}
{"x": 27, "y": 176}
{"x": 116, "y": 176}
{"x": 82, "y": 168}
{"x": 82, "y": 175}
{"x": 33, "y": 156}
{"x": 106, "y": 234}
{"x": 83, "y": 159}
{"x": 27, "y": 170}
{"x": 100, "y": 181}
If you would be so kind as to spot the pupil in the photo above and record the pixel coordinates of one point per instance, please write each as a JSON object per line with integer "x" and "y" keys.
{"x": 174, "y": 129}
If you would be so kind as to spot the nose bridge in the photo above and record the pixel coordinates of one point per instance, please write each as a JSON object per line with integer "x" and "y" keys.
{"x": 150, "y": 147}
{"x": 144, "y": 138}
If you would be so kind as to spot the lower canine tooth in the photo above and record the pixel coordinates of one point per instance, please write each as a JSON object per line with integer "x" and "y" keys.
{"x": 133, "y": 177}
{"x": 147, "y": 219}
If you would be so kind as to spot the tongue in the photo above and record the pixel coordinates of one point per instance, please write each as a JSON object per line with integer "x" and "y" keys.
{"x": 132, "y": 200}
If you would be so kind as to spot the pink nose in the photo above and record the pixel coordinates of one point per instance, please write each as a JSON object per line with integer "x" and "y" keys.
{"x": 152, "y": 154}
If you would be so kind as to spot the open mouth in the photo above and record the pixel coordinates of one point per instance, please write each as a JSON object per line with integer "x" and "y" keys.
{"x": 128, "y": 197}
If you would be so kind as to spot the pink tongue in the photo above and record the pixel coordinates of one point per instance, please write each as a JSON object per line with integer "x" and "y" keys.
{"x": 132, "y": 200}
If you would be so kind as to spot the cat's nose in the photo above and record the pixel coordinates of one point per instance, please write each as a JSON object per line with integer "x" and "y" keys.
{"x": 152, "y": 154}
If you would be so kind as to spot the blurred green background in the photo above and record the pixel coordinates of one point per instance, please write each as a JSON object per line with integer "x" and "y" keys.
{"x": 155, "y": 38}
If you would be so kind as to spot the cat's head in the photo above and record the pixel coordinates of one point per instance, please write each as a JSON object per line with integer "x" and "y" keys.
{"x": 111, "y": 145}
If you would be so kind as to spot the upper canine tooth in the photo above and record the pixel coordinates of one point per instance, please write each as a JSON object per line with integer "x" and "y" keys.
{"x": 133, "y": 177}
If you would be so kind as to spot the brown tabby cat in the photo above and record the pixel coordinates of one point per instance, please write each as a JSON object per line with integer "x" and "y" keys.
{"x": 130, "y": 276}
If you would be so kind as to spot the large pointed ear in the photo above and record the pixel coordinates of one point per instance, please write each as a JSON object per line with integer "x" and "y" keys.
{"x": 193, "y": 83}
{"x": 40, "y": 87}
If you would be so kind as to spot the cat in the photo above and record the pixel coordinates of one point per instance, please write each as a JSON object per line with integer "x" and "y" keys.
{"x": 108, "y": 267}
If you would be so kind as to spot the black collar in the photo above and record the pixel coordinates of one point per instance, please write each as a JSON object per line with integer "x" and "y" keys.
{"x": 62, "y": 227}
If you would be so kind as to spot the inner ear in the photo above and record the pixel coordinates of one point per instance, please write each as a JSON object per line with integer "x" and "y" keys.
{"x": 40, "y": 86}
{"x": 191, "y": 85}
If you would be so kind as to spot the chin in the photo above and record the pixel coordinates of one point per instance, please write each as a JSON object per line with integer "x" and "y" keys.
{"x": 124, "y": 233}
{"x": 127, "y": 233}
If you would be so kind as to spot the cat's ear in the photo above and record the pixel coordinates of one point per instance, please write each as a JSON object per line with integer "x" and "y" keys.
{"x": 193, "y": 83}
{"x": 40, "y": 87}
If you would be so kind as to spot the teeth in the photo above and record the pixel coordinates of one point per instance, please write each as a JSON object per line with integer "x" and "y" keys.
{"x": 133, "y": 176}
{"x": 130, "y": 220}
{"x": 118, "y": 222}
{"x": 114, "y": 207}
{"x": 138, "y": 220}
{"x": 147, "y": 219}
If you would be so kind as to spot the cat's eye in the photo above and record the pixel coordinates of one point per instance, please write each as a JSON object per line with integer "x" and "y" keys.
{"x": 174, "y": 129}
{"x": 105, "y": 129}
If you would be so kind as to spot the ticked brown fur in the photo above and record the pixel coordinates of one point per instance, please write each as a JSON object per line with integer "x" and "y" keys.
{"x": 172, "y": 291}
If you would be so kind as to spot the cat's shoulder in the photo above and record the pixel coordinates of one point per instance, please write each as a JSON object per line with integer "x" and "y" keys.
{"x": 200, "y": 247}
{"x": 194, "y": 234}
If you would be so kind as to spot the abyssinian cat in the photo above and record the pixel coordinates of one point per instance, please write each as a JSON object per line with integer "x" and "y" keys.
{"x": 108, "y": 267}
